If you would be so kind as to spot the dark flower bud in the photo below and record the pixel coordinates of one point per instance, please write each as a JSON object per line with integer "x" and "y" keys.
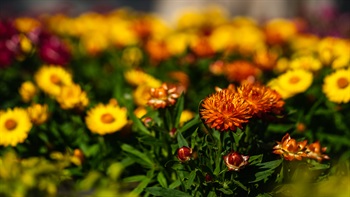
{"x": 235, "y": 161}
{"x": 184, "y": 153}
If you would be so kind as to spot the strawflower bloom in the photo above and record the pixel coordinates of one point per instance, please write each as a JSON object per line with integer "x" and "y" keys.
{"x": 290, "y": 149}
{"x": 265, "y": 59}
{"x": 164, "y": 96}
{"x": 184, "y": 153}
{"x": 51, "y": 78}
{"x": 72, "y": 96}
{"x": 14, "y": 126}
{"x": 240, "y": 70}
{"x": 262, "y": 99}
{"x": 186, "y": 115}
{"x": 334, "y": 51}
{"x": 279, "y": 31}
{"x": 306, "y": 62}
{"x": 27, "y": 91}
{"x": 292, "y": 82}
{"x": 137, "y": 77}
{"x": 106, "y": 119}
{"x": 38, "y": 113}
{"x": 336, "y": 86}
{"x": 225, "y": 111}
{"x": 315, "y": 151}
{"x": 235, "y": 161}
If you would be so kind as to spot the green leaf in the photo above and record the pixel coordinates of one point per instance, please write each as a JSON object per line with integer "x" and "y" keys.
{"x": 135, "y": 178}
{"x": 168, "y": 119}
{"x": 178, "y": 109}
{"x": 240, "y": 185}
{"x": 137, "y": 191}
{"x": 270, "y": 166}
{"x": 190, "y": 180}
{"x": 226, "y": 191}
{"x": 190, "y": 124}
{"x": 175, "y": 184}
{"x": 181, "y": 140}
{"x": 129, "y": 149}
{"x": 162, "y": 180}
{"x": 139, "y": 125}
{"x": 159, "y": 191}
{"x": 255, "y": 159}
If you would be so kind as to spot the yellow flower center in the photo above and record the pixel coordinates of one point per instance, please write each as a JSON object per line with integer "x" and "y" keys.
{"x": 107, "y": 118}
{"x": 10, "y": 124}
{"x": 55, "y": 79}
{"x": 294, "y": 80}
{"x": 342, "y": 82}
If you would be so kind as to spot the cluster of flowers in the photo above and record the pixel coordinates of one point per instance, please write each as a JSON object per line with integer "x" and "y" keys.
{"x": 231, "y": 108}
{"x": 290, "y": 149}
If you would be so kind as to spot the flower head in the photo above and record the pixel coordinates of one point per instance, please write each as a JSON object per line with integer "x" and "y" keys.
{"x": 51, "y": 78}
{"x": 292, "y": 82}
{"x": 72, "y": 96}
{"x": 235, "y": 161}
{"x": 137, "y": 77}
{"x": 27, "y": 91}
{"x": 315, "y": 151}
{"x": 105, "y": 119}
{"x": 184, "y": 153}
{"x": 225, "y": 110}
{"x": 163, "y": 96}
{"x": 290, "y": 149}
{"x": 306, "y": 62}
{"x": 336, "y": 86}
{"x": 261, "y": 98}
{"x": 239, "y": 71}
{"x": 14, "y": 126}
{"x": 38, "y": 113}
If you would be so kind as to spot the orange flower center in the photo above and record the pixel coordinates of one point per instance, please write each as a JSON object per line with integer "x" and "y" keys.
{"x": 107, "y": 118}
{"x": 342, "y": 82}
{"x": 10, "y": 124}
{"x": 55, "y": 79}
{"x": 294, "y": 80}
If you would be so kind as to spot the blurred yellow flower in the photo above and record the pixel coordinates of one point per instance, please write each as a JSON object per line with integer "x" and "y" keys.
{"x": 306, "y": 62}
{"x": 140, "y": 111}
{"x": 178, "y": 42}
{"x": 106, "y": 119}
{"x": 51, "y": 78}
{"x": 94, "y": 42}
{"x": 27, "y": 91}
{"x": 304, "y": 43}
{"x": 121, "y": 33}
{"x": 336, "y": 86}
{"x": 186, "y": 115}
{"x": 38, "y": 113}
{"x": 141, "y": 95}
{"x": 26, "y": 44}
{"x": 132, "y": 56}
{"x": 292, "y": 82}
{"x": 221, "y": 38}
{"x": 14, "y": 126}
{"x": 279, "y": 31}
{"x": 72, "y": 96}
{"x": 26, "y": 24}
{"x": 248, "y": 39}
{"x": 282, "y": 65}
{"x": 334, "y": 51}
{"x": 137, "y": 77}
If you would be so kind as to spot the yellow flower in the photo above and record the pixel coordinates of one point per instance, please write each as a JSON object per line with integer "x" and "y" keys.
{"x": 177, "y": 43}
{"x": 121, "y": 33}
{"x": 94, "y": 42}
{"x": 27, "y": 91}
{"x": 38, "y": 113}
{"x": 336, "y": 86}
{"x": 292, "y": 82}
{"x": 26, "y": 24}
{"x": 282, "y": 65}
{"x": 247, "y": 39}
{"x": 306, "y": 62}
{"x": 72, "y": 96}
{"x": 26, "y": 44}
{"x": 138, "y": 77}
{"x": 51, "y": 78}
{"x": 132, "y": 56}
{"x": 279, "y": 30}
{"x": 225, "y": 111}
{"x": 140, "y": 112}
{"x": 105, "y": 119}
{"x": 14, "y": 126}
{"x": 304, "y": 43}
{"x": 141, "y": 95}
{"x": 334, "y": 52}
{"x": 186, "y": 115}
{"x": 221, "y": 38}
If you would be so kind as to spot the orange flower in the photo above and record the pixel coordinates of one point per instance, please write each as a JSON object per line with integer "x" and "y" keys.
{"x": 202, "y": 48}
{"x": 314, "y": 151}
{"x": 157, "y": 50}
{"x": 290, "y": 148}
{"x": 261, "y": 98}
{"x": 241, "y": 70}
{"x": 225, "y": 110}
{"x": 163, "y": 96}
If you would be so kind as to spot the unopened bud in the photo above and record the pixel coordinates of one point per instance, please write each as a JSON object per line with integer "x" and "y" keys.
{"x": 184, "y": 153}
{"x": 235, "y": 161}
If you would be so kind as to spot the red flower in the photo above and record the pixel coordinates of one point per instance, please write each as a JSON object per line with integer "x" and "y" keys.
{"x": 235, "y": 161}
{"x": 184, "y": 153}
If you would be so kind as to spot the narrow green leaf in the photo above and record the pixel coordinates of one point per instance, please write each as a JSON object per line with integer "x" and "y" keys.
{"x": 162, "y": 180}
{"x": 226, "y": 191}
{"x": 168, "y": 119}
{"x": 190, "y": 180}
{"x": 175, "y": 184}
{"x": 255, "y": 159}
{"x": 178, "y": 109}
{"x": 190, "y": 124}
{"x": 140, "y": 126}
{"x": 181, "y": 140}
{"x": 129, "y": 149}
{"x": 240, "y": 185}
{"x": 159, "y": 191}
{"x": 137, "y": 191}
{"x": 135, "y": 178}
